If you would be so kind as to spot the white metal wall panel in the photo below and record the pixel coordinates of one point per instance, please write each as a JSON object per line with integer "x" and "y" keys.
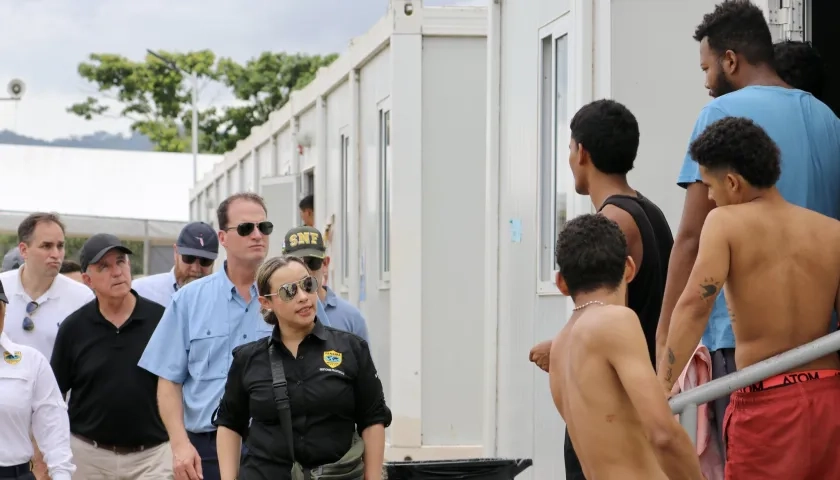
{"x": 307, "y": 135}
{"x": 338, "y": 111}
{"x": 374, "y": 86}
{"x": 454, "y": 104}
{"x": 527, "y": 425}
{"x": 666, "y": 118}
{"x": 279, "y": 196}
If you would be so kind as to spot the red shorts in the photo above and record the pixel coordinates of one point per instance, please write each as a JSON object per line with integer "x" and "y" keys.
{"x": 784, "y": 429}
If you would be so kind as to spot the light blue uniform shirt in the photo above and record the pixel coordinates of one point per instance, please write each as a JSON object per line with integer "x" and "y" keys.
{"x": 808, "y": 135}
{"x": 344, "y": 316}
{"x": 157, "y": 288}
{"x": 193, "y": 344}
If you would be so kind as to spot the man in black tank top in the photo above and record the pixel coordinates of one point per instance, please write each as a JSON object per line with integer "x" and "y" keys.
{"x": 603, "y": 146}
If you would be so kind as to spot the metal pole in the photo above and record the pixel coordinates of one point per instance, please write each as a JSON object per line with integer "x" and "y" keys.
{"x": 194, "y": 78}
{"x": 782, "y": 362}
{"x": 195, "y": 126}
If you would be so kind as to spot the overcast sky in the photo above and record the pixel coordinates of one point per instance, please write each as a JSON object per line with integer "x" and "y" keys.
{"x": 43, "y": 41}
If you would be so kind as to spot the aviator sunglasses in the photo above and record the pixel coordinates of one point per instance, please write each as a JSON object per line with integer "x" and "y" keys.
{"x": 247, "y": 228}
{"x": 190, "y": 259}
{"x": 289, "y": 291}
{"x": 31, "y": 308}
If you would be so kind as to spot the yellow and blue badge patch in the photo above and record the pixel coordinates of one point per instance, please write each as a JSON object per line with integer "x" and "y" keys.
{"x": 332, "y": 358}
{"x": 14, "y": 358}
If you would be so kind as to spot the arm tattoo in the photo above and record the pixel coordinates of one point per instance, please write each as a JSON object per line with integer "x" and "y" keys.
{"x": 671, "y": 360}
{"x": 709, "y": 288}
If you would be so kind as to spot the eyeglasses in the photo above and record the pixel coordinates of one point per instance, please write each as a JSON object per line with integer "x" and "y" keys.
{"x": 190, "y": 259}
{"x": 313, "y": 263}
{"x": 247, "y": 228}
{"x": 289, "y": 291}
{"x": 31, "y": 308}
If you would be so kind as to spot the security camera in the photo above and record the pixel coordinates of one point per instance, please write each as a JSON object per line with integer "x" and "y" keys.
{"x": 408, "y": 9}
{"x": 16, "y": 89}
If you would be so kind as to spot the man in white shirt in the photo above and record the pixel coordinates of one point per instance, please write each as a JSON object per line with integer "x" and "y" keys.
{"x": 30, "y": 405}
{"x": 39, "y": 298}
{"x": 195, "y": 251}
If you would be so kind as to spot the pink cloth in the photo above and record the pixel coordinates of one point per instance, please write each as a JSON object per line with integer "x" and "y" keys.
{"x": 696, "y": 373}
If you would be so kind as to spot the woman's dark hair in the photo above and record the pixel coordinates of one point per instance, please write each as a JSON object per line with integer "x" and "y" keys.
{"x": 264, "y": 280}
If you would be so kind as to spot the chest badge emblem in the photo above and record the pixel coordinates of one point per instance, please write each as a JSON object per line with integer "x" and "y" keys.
{"x": 14, "y": 358}
{"x": 332, "y": 358}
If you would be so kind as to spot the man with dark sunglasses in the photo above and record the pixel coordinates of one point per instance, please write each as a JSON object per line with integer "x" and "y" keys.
{"x": 192, "y": 348}
{"x": 195, "y": 251}
{"x": 307, "y": 243}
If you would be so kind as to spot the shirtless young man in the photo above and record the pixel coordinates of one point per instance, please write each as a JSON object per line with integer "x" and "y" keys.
{"x": 780, "y": 264}
{"x": 600, "y": 373}
{"x": 602, "y": 150}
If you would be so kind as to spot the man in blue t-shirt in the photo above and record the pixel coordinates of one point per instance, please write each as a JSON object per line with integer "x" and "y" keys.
{"x": 736, "y": 54}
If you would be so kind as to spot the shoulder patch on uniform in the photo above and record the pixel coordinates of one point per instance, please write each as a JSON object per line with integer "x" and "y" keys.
{"x": 332, "y": 358}
{"x": 14, "y": 358}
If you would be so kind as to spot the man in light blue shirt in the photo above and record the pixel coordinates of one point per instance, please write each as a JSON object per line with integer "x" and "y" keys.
{"x": 307, "y": 243}
{"x": 736, "y": 53}
{"x": 191, "y": 349}
{"x": 195, "y": 250}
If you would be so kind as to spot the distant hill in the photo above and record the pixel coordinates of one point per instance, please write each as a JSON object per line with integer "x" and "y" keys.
{"x": 104, "y": 140}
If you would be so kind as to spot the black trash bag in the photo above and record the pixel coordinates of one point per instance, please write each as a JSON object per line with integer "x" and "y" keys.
{"x": 467, "y": 469}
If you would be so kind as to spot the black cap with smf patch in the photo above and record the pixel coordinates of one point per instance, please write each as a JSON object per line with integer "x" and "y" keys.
{"x": 304, "y": 242}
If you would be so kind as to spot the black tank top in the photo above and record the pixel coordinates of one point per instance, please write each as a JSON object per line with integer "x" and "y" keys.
{"x": 645, "y": 292}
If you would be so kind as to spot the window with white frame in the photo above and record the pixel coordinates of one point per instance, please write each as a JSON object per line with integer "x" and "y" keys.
{"x": 556, "y": 183}
{"x": 344, "y": 220}
{"x": 385, "y": 193}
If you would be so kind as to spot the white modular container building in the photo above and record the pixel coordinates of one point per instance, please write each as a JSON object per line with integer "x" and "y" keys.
{"x": 547, "y": 58}
{"x": 390, "y": 138}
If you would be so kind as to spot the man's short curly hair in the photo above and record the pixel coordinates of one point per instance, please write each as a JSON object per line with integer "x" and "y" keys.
{"x": 740, "y": 26}
{"x": 801, "y": 66}
{"x": 739, "y": 145}
{"x": 591, "y": 253}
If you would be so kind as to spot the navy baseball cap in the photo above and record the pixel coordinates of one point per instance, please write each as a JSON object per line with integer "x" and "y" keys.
{"x": 198, "y": 239}
{"x": 97, "y": 246}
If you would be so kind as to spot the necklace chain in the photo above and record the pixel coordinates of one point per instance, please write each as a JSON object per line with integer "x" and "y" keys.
{"x": 593, "y": 302}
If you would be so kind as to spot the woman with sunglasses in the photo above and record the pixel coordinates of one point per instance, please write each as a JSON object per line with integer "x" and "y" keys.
{"x": 30, "y": 405}
{"x": 332, "y": 390}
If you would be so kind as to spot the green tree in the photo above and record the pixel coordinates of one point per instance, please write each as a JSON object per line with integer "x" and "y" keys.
{"x": 157, "y": 97}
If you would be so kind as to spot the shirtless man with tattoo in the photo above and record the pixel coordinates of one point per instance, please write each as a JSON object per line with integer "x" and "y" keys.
{"x": 600, "y": 373}
{"x": 780, "y": 265}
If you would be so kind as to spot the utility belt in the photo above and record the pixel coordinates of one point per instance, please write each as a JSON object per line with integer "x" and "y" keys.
{"x": 792, "y": 378}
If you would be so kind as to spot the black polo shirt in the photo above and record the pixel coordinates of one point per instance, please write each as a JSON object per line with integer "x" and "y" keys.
{"x": 334, "y": 390}
{"x": 113, "y": 401}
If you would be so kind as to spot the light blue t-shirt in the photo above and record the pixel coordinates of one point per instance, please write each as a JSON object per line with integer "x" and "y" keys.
{"x": 194, "y": 341}
{"x": 808, "y": 135}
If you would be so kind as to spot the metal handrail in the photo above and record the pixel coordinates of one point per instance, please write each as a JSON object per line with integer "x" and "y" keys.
{"x": 685, "y": 404}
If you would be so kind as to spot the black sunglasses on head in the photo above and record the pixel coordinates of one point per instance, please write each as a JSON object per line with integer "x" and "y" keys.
{"x": 190, "y": 259}
{"x": 289, "y": 291}
{"x": 247, "y": 228}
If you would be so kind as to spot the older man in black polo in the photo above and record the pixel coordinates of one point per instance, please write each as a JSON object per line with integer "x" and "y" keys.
{"x": 114, "y": 422}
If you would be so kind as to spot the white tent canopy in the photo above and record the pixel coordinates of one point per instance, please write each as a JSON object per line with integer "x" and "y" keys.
{"x": 141, "y": 196}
